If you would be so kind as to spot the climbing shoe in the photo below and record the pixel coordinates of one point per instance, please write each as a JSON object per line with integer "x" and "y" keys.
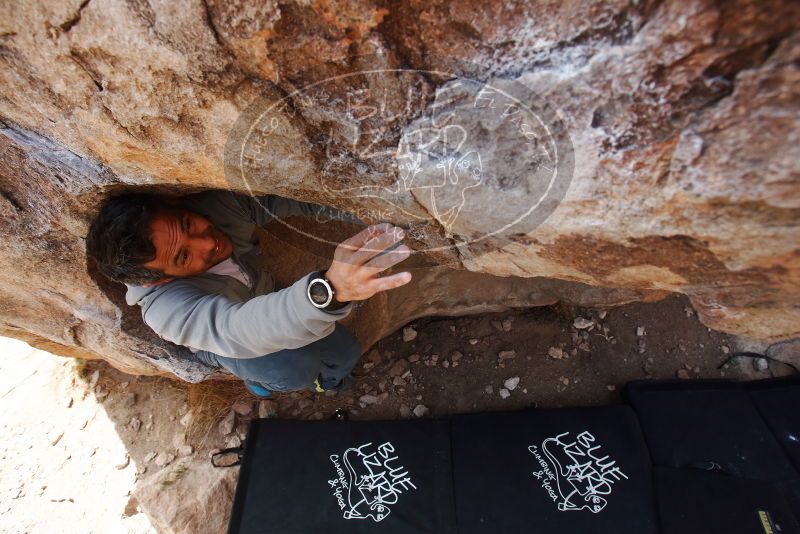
{"x": 257, "y": 389}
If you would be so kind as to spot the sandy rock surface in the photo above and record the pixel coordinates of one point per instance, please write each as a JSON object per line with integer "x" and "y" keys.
{"x": 64, "y": 468}
{"x": 678, "y": 120}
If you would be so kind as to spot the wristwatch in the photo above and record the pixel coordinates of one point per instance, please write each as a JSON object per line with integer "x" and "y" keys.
{"x": 321, "y": 293}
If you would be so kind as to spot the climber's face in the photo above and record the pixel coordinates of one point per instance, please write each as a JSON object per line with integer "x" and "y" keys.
{"x": 186, "y": 244}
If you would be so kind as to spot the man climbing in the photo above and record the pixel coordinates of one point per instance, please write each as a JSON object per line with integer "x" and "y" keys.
{"x": 193, "y": 265}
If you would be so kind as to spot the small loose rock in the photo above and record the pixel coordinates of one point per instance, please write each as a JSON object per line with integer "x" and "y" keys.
{"x": 367, "y": 400}
{"x": 130, "y": 400}
{"x": 761, "y": 364}
{"x": 186, "y": 419}
{"x": 124, "y": 463}
{"x": 95, "y": 376}
{"x": 409, "y": 334}
{"x": 511, "y": 383}
{"x": 227, "y": 424}
{"x": 134, "y": 424}
{"x": 267, "y": 409}
{"x": 399, "y": 367}
{"x": 243, "y": 407}
{"x": 164, "y": 459}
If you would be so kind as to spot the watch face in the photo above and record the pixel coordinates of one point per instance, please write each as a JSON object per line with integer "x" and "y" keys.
{"x": 318, "y": 292}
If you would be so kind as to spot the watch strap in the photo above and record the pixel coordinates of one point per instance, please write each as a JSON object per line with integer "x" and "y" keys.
{"x": 334, "y": 305}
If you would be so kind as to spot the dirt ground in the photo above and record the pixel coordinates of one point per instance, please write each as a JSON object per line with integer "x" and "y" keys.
{"x": 64, "y": 466}
{"x": 457, "y": 365}
{"x": 546, "y": 357}
{"x": 463, "y": 363}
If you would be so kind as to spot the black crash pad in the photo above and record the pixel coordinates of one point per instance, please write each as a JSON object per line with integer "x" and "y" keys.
{"x": 350, "y": 477}
{"x": 581, "y": 470}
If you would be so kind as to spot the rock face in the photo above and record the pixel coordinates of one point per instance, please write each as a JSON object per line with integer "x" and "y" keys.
{"x": 675, "y": 126}
{"x": 200, "y": 502}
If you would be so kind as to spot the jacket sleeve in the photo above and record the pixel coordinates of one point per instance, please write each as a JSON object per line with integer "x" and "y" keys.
{"x": 264, "y": 208}
{"x": 284, "y": 319}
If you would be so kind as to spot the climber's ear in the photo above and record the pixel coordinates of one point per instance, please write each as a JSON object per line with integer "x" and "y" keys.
{"x": 158, "y": 282}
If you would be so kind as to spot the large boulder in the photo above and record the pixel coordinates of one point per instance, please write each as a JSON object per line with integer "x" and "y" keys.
{"x": 674, "y": 123}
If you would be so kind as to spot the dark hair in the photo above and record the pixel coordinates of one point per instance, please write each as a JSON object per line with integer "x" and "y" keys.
{"x": 119, "y": 238}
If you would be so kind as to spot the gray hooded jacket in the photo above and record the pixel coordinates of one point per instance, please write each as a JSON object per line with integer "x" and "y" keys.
{"x": 219, "y": 314}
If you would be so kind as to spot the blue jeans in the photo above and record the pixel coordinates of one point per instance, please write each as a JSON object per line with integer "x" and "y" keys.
{"x": 330, "y": 359}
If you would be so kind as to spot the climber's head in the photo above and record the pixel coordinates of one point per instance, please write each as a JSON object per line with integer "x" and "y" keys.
{"x": 146, "y": 240}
